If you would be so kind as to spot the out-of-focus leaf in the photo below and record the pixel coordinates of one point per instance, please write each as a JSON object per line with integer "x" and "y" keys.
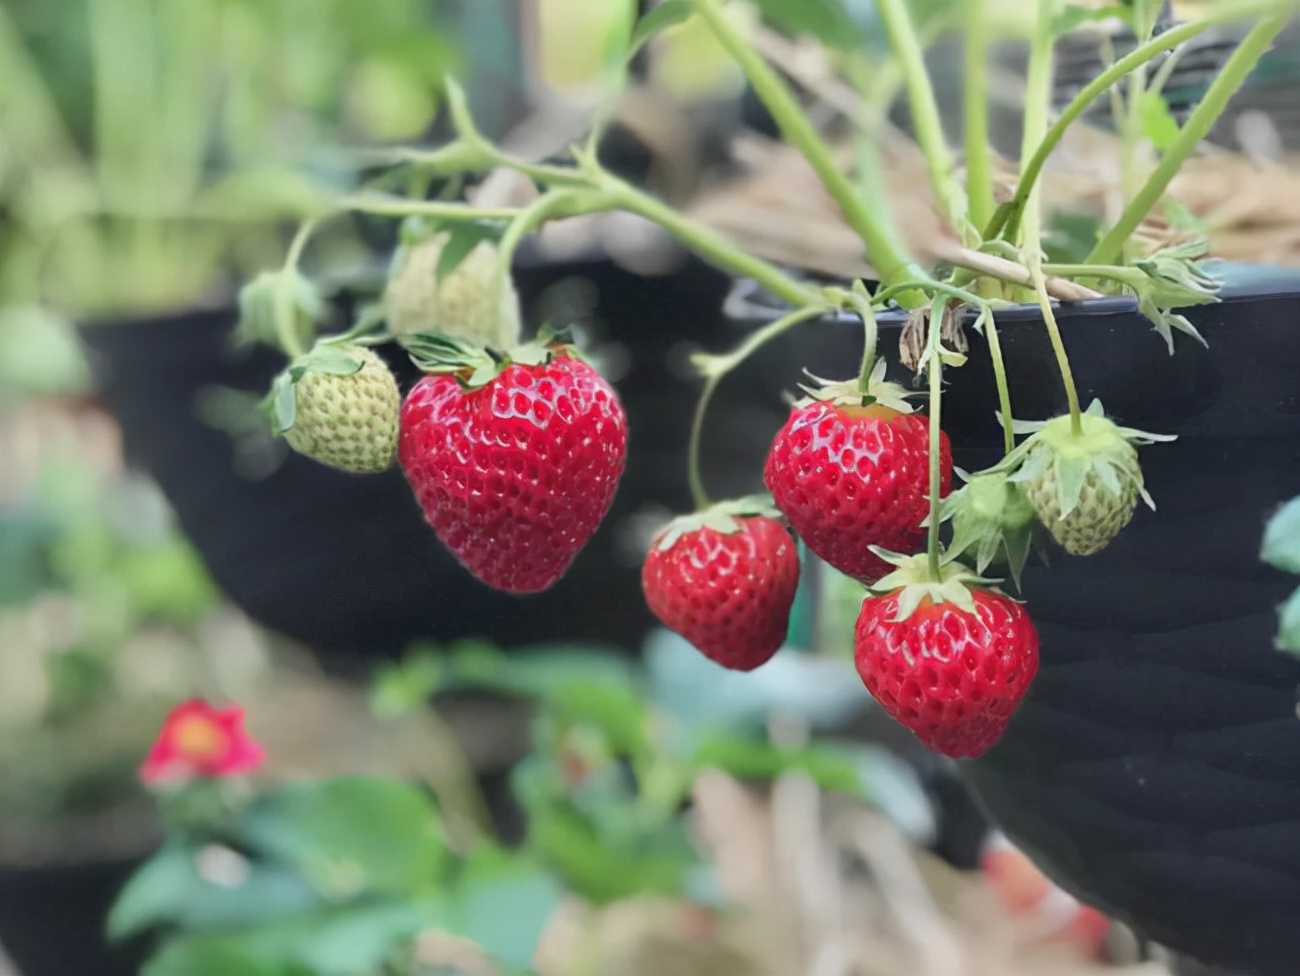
{"x": 154, "y": 893}
{"x": 351, "y": 835}
{"x": 1158, "y": 123}
{"x": 822, "y": 690}
{"x": 1288, "y": 638}
{"x": 827, "y": 20}
{"x": 1281, "y": 547}
{"x": 659, "y": 18}
{"x": 498, "y": 885}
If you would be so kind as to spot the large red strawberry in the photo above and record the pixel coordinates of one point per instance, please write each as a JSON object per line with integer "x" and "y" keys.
{"x": 725, "y": 579}
{"x": 950, "y": 659}
{"x": 514, "y": 459}
{"x": 849, "y": 476}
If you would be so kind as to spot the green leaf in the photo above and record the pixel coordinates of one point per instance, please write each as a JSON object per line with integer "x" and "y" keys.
{"x": 169, "y": 890}
{"x": 1288, "y": 638}
{"x": 1074, "y": 15}
{"x": 658, "y": 19}
{"x": 463, "y": 237}
{"x": 1158, "y": 123}
{"x": 762, "y": 760}
{"x": 214, "y": 957}
{"x": 827, "y": 20}
{"x": 500, "y": 885}
{"x": 1281, "y": 547}
{"x": 154, "y": 894}
{"x": 351, "y": 835}
{"x": 284, "y": 406}
{"x": 333, "y": 361}
{"x": 405, "y": 687}
{"x": 333, "y": 942}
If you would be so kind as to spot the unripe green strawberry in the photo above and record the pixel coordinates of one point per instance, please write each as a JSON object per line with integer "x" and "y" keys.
{"x": 992, "y": 520}
{"x": 1085, "y": 485}
{"x": 473, "y": 301}
{"x": 338, "y": 405}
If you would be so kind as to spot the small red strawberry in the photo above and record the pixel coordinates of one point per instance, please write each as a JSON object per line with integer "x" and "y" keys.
{"x": 950, "y": 660}
{"x": 514, "y": 458}
{"x": 725, "y": 579}
{"x": 849, "y": 476}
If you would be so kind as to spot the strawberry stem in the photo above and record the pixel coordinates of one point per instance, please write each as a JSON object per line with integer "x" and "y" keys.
{"x": 290, "y": 344}
{"x": 1038, "y": 95}
{"x": 885, "y": 252}
{"x": 975, "y": 114}
{"x": 1239, "y": 66}
{"x": 1006, "y": 220}
{"x": 1000, "y": 379}
{"x": 715, "y": 368}
{"x": 935, "y": 369}
{"x": 861, "y": 303}
{"x": 921, "y": 102}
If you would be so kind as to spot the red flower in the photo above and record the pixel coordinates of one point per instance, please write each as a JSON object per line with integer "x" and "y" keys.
{"x": 199, "y": 740}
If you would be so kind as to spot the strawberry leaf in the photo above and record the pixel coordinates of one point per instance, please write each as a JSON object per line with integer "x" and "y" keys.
{"x": 1288, "y": 638}
{"x": 660, "y": 18}
{"x": 1281, "y": 548}
{"x": 284, "y": 407}
{"x": 462, "y": 238}
{"x": 1158, "y": 123}
{"x": 332, "y": 361}
{"x": 1073, "y": 16}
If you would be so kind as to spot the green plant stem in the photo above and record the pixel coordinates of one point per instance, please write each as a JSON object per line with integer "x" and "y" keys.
{"x": 709, "y": 245}
{"x": 887, "y": 255}
{"x": 920, "y": 101}
{"x": 1000, "y": 379}
{"x": 935, "y": 369}
{"x": 975, "y": 114}
{"x": 1038, "y": 93}
{"x": 862, "y": 305}
{"x": 715, "y": 368}
{"x": 1006, "y": 220}
{"x": 1225, "y": 85}
{"x": 392, "y": 205}
{"x": 290, "y": 344}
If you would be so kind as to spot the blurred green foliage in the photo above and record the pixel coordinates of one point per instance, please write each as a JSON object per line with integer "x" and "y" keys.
{"x": 150, "y": 147}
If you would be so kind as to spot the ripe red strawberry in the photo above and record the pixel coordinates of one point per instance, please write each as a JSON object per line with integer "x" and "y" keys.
{"x": 514, "y": 460}
{"x": 725, "y": 580}
{"x": 848, "y": 476}
{"x": 950, "y": 660}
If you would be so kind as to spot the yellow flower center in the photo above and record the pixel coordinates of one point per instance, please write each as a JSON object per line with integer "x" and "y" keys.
{"x": 200, "y": 738}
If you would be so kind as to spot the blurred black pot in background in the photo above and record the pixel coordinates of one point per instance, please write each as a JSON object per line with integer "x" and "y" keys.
{"x": 1154, "y": 768}
{"x": 346, "y": 564}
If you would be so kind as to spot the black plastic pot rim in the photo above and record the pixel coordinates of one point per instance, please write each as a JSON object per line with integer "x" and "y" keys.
{"x": 747, "y": 304}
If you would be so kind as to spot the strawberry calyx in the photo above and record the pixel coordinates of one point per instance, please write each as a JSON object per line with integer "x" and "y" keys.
{"x": 325, "y": 358}
{"x": 724, "y": 517}
{"x": 1100, "y": 447}
{"x": 992, "y": 520}
{"x": 849, "y": 393}
{"x": 475, "y": 366}
{"x": 915, "y": 584}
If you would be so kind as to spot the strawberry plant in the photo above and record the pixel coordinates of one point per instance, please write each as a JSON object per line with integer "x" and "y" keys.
{"x": 514, "y": 452}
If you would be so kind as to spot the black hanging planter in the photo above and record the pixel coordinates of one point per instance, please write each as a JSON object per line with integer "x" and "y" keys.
{"x": 1154, "y": 768}
{"x": 346, "y": 564}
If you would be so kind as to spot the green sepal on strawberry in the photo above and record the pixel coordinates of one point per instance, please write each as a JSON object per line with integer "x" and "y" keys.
{"x": 513, "y": 456}
{"x": 449, "y": 280}
{"x": 725, "y": 579}
{"x": 1085, "y": 485}
{"x": 949, "y": 658}
{"x": 338, "y": 405}
{"x": 992, "y": 522}
{"x": 850, "y": 469}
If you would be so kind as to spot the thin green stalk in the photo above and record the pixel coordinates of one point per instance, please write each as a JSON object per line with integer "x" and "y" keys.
{"x": 862, "y": 305}
{"x": 707, "y": 244}
{"x": 1000, "y": 379}
{"x": 718, "y": 368}
{"x": 1038, "y": 93}
{"x": 391, "y": 205}
{"x": 975, "y": 115}
{"x": 920, "y": 100}
{"x": 1006, "y": 221}
{"x": 290, "y": 344}
{"x": 935, "y": 369}
{"x": 887, "y": 255}
{"x": 1239, "y": 66}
